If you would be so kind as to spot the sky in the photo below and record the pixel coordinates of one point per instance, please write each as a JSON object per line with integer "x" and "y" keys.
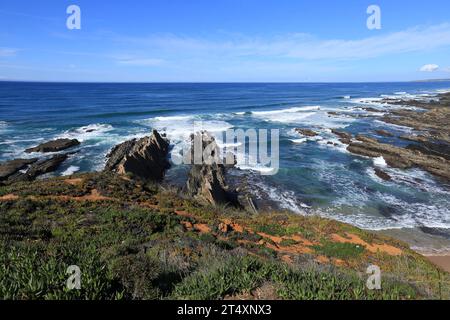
{"x": 224, "y": 41}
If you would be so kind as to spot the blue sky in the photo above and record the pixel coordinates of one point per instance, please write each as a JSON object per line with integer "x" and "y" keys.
{"x": 224, "y": 41}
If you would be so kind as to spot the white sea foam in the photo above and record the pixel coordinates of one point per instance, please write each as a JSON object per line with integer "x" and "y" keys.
{"x": 90, "y": 132}
{"x": 173, "y": 118}
{"x": 256, "y": 168}
{"x": 379, "y": 162}
{"x": 3, "y": 126}
{"x": 289, "y": 115}
{"x": 286, "y": 199}
{"x": 70, "y": 170}
{"x": 298, "y": 141}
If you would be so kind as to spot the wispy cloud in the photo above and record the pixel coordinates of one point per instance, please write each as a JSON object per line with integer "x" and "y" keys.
{"x": 304, "y": 46}
{"x": 8, "y": 52}
{"x": 145, "y": 62}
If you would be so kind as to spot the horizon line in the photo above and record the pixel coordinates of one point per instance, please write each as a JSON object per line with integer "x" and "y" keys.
{"x": 219, "y": 82}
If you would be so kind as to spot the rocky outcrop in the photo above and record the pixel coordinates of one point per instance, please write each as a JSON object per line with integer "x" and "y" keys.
{"x": 11, "y": 167}
{"x": 400, "y": 157}
{"x": 306, "y": 132}
{"x": 433, "y": 121}
{"x": 54, "y": 145}
{"x": 38, "y": 168}
{"x": 206, "y": 181}
{"x": 144, "y": 158}
{"x": 207, "y": 184}
{"x": 344, "y": 137}
{"x": 46, "y": 166}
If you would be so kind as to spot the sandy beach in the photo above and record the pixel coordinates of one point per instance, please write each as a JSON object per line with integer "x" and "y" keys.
{"x": 441, "y": 261}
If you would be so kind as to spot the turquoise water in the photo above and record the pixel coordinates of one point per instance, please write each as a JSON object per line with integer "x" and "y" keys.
{"x": 314, "y": 176}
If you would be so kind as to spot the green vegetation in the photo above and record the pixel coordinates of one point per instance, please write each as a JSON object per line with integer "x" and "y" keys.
{"x": 244, "y": 274}
{"x": 340, "y": 250}
{"x": 132, "y": 244}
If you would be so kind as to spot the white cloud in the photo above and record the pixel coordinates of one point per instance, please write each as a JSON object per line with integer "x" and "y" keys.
{"x": 7, "y": 52}
{"x": 141, "y": 62}
{"x": 429, "y": 68}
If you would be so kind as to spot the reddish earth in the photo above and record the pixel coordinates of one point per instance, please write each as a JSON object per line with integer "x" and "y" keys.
{"x": 9, "y": 197}
{"x": 74, "y": 182}
{"x": 374, "y": 248}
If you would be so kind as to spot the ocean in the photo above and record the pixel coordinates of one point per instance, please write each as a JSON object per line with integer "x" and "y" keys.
{"x": 316, "y": 176}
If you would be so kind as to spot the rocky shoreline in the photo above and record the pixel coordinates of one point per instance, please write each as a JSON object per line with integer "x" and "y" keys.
{"x": 429, "y": 149}
{"x": 146, "y": 159}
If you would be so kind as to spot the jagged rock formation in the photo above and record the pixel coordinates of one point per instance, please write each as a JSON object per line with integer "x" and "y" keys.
{"x": 144, "y": 158}
{"x": 206, "y": 181}
{"x": 54, "y": 145}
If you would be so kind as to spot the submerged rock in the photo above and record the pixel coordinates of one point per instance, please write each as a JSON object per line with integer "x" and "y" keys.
{"x": 383, "y": 175}
{"x": 306, "y": 132}
{"x": 144, "y": 158}
{"x": 54, "y": 145}
{"x": 383, "y": 133}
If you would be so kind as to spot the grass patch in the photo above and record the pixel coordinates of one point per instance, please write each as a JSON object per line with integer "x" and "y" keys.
{"x": 340, "y": 250}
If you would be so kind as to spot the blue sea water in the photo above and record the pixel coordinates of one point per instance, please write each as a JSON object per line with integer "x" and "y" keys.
{"x": 315, "y": 176}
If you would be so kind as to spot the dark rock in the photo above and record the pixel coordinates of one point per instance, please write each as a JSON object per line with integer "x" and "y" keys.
{"x": 440, "y": 149}
{"x": 9, "y": 168}
{"x": 306, "y": 132}
{"x": 206, "y": 181}
{"x": 415, "y": 138}
{"x": 46, "y": 165}
{"x": 370, "y": 109}
{"x": 207, "y": 184}
{"x": 384, "y": 133}
{"x": 364, "y": 138}
{"x": 383, "y": 175}
{"x": 39, "y": 168}
{"x": 344, "y": 137}
{"x": 144, "y": 158}
{"x": 54, "y": 145}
